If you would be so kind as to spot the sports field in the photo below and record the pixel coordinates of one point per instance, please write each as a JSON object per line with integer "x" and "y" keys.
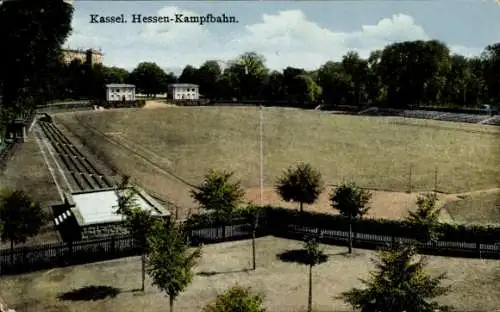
{"x": 169, "y": 149}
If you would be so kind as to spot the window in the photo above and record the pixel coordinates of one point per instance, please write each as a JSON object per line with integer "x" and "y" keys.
{"x": 117, "y": 90}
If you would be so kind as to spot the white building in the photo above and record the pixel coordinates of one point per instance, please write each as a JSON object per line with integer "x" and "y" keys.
{"x": 184, "y": 91}
{"x": 116, "y": 92}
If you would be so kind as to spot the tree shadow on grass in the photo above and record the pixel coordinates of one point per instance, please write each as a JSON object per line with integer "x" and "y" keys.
{"x": 299, "y": 256}
{"x": 345, "y": 254}
{"x": 90, "y": 293}
{"x": 212, "y": 273}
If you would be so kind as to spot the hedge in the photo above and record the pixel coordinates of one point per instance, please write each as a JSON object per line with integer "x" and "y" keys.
{"x": 485, "y": 234}
{"x": 277, "y": 219}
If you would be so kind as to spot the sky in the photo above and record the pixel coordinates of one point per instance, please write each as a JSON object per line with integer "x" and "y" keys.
{"x": 303, "y": 34}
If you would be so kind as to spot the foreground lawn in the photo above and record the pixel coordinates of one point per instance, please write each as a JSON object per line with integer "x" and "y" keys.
{"x": 475, "y": 284}
{"x": 375, "y": 152}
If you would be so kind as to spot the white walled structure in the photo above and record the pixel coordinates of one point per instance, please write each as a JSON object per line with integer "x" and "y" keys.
{"x": 116, "y": 92}
{"x": 184, "y": 91}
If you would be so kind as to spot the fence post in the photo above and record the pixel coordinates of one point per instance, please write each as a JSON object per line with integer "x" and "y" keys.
{"x": 478, "y": 249}
{"x": 70, "y": 252}
{"x": 435, "y": 180}
{"x": 393, "y": 240}
{"x": 354, "y": 233}
{"x": 113, "y": 247}
{"x": 409, "y": 179}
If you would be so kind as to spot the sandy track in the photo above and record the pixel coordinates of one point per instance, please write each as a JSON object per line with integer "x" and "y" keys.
{"x": 157, "y": 104}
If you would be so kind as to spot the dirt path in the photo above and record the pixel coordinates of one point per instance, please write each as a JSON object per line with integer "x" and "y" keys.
{"x": 384, "y": 204}
{"x": 157, "y": 104}
{"x": 389, "y": 205}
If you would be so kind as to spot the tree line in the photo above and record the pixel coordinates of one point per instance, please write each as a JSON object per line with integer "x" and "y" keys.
{"x": 402, "y": 74}
{"x": 32, "y": 34}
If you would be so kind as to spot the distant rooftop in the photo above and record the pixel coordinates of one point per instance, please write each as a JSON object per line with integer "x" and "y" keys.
{"x": 120, "y": 85}
{"x": 94, "y": 51}
{"x": 183, "y": 85}
{"x": 100, "y": 207}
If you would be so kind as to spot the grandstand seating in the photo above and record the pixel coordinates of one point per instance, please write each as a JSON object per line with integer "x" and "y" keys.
{"x": 436, "y": 115}
{"x": 494, "y": 121}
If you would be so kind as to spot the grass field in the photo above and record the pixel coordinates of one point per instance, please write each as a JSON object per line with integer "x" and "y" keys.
{"x": 26, "y": 170}
{"x": 475, "y": 284}
{"x": 464, "y": 208}
{"x": 179, "y": 145}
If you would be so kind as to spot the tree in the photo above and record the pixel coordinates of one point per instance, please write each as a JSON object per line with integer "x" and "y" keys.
{"x": 218, "y": 195}
{"x": 33, "y": 32}
{"x": 458, "y": 80}
{"x": 356, "y": 70}
{"x": 306, "y": 90}
{"x": 314, "y": 256}
{"x": 425, "y": 220}
{"x": 149, "y": 78}
{"x": 334, "y": 82}
{"x": 208, "y": 76}
{"x": 236, "y": 299}
{"x": 95, "y": 81}
{"x": 248, "y": 73}
{"x": 273, "y": 87}
{"x": 290, "y": 82}
{"x": 251, "y": 214}
{"x": 138, "y": 221}
{"x": 189, "y": 75}
{"x": 126, "y": 196}
{"x": 374, "y": 88}
{"x": 75, "y": 80}
{"x": 414, "y": 71}
{"x": 399, "y": 283}
{"x": 352, "y": 202}
{"x": 302, "y": 184}
{"x": 170, "y": 260}
{"x": 491, "y": 58}
{"x": 20, "y": 217}
{"x": 115, "y": 74}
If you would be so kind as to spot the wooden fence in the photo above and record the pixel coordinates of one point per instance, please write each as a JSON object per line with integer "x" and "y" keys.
{"x": 48, "y": 256}
{"x": 373, "y": 241}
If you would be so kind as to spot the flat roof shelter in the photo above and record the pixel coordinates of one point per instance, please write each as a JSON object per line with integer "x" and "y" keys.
{"x": 95, "y": 215}
{"x": 101, "y": 207}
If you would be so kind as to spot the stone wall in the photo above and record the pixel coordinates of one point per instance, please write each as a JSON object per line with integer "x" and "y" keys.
{"x": 103, "y": 230}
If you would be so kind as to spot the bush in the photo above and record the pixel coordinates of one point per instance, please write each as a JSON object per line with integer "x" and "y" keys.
{"x": 208, "y": 219}
{"x": 140, "y": 103}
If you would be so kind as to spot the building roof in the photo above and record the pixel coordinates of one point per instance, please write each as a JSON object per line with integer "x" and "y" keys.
{"x": 82, "y": 51}
{"x": 120, "y": 85}
{"x": 183, "y": 85}
{"x": 100, "y": 207}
